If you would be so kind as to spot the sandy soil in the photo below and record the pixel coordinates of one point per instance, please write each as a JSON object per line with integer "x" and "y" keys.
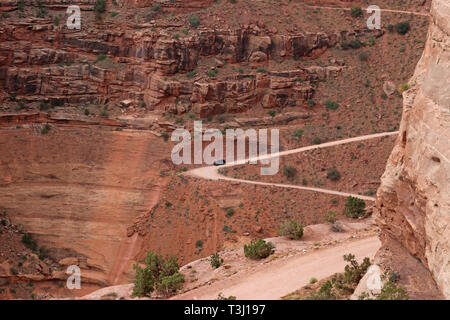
{"x": 279, "y": 278}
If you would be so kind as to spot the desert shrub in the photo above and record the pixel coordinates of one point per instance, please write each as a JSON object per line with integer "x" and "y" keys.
{"x": 353, "y": 272}
{"x": 14, "y": 271}
{"x": 46, "y": 129}
{"x": 311, "y": 103}
{"x": 317, "y": 140}
{"x": 390, "y": 28}
{"x": 29, "y": 242}
{"x": 333, "y": 174}
{"x": 354, "y": 207}
{"x": 402, "y": 27}
{"x": 158, "y": 274}
{"x": 44, "y": 106}
{"x": 185, "y": 31}
{"x": 259, "y": 249}
{"x": 215, "y": 260}
{"x": 199, "y": 244}
{"x": 403, "y": 87}
{"x": 330, "y": 216}
{"x": 165, "y": 136}
{"x": 229, "y": 212}
{"x": 99, "y": 8}
{"x": 114, "y": 14}
{"x": 291, "y": 229}
{"x": 353, "y": 44}
{"x": 194, "y": 21}
{"x": 222, "y": 297}
{"x": 261, "y": 70}
{"x": 332, "y": 105}
{"x": 191, "y": 74}
{"x": 324, "y": 293}
{"x": 312, "y": 280}
{"x": 356, "y": 12}
{"x": 390, "y": 291}
{"x": 21, "y": 5}
{"x": 298, "y": 133}
{"x": 289, "y": 171}
{"x": 213, "y": 73}
{"x": 156, "y": 7}
{"x": 271, "y": 113}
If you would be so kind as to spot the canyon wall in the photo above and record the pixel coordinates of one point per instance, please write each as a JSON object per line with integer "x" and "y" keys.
{"x": 77, "y": 188}
{"x": 414, "y": 197}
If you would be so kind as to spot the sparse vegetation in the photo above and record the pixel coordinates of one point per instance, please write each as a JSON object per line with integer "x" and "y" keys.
{"x": 356, "y": 12}
{"x": 259, "y": 249}
{"x": 333, "y": 174}
{"x": 342, "y": 285}
{"x": 99, "y": 8}
{"x": 330, "y": 216}
{"x": 402, "y": 27}
{"x": 194, "y": 21}
{"x": 215, "y": 260}
{"x": 291, "y": 229}
{"x": 332, "y": 105}
{"x": 355, "y": 207}
{"x": 290, "y": 172}
{"x": 46, "y": 129}
{"x": 158, "y": 274}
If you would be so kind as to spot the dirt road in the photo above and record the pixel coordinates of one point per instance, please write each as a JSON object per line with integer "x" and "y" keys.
{"x": 210, "y": 172}
{"x": 282, "y": 276}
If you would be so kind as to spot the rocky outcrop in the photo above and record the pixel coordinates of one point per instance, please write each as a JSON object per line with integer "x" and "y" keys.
{"x": 148, "y": 66}
{"x": 413, "y": 200}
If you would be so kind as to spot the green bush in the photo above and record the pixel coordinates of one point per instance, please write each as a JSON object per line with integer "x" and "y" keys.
{"x": 194, "y": 21}
{"x": 156, "y": 7}
{"x": 331, "y": 216}
{"x": 333, "y": 174}
{"x": 317, "y": 140}
{"x": 355, "y": 207}
{"x": 325, "y": 292}
{"x": 354, "y": 44}
{"x": 259, "y": 249}
{"x": 402, "y": 27}
{"x": 46, "y": 129}
{"x": 298, "y": 133}
{"x": 213, "y": 73}
{"x": 289, "y": 171}
{"x": 390, "y": 291}
{"x": 99, "y": 8}
{"x": 332, "y": 105}
{"x": 215, "y": 260}
{"x": 356, "y": 12}
{"x": 271, "y": 113}
{"x": 261, "y": 70}
{"x": 291, "y": 229}
{"x": 158, "y": 274}
{"x": 191, "y": 74}
{"x": 199, "y": 244}
{"x": 229, "y": 212}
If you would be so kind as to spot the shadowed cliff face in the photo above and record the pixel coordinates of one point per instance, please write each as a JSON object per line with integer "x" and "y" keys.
{"x": 413, "y": 200}
{"x": 76, "y": 189}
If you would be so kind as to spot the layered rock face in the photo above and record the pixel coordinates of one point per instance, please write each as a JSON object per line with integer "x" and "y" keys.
{"x": 41, "y": 61}
{"x": 77, "y": 188}
{"x": 414, "y": 197}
